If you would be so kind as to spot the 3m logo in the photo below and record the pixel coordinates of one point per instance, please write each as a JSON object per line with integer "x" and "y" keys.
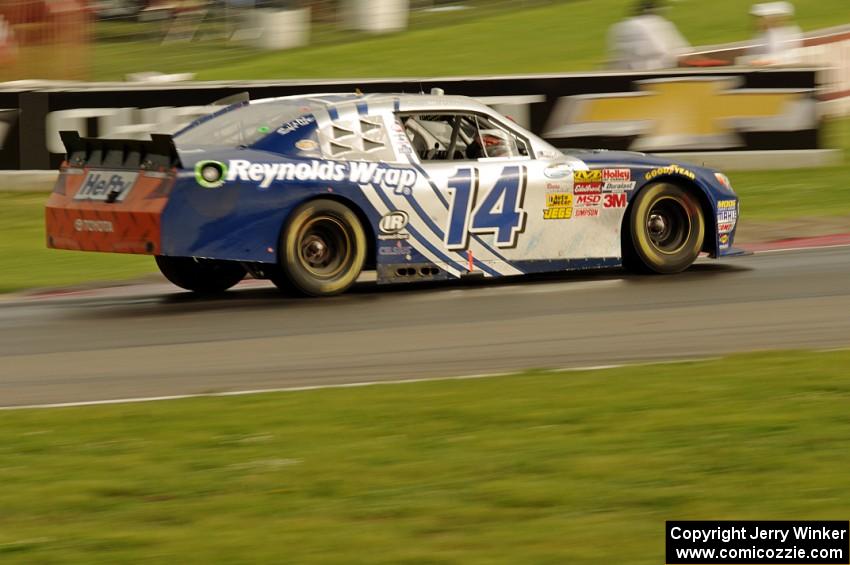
{"x": 682, "y": 112}
{"x": 615, "y": 200}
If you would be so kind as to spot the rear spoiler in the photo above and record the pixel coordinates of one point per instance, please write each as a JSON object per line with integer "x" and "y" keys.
{"x": 131, "y": 154}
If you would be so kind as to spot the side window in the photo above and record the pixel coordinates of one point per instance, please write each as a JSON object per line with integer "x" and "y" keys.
{"x": 361, "y": 138}
{"x": 460, "y": 137}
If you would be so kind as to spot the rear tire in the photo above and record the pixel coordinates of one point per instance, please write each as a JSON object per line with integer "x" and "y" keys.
{"x": 322, "y": 249}
{"x": 666, "y": 230}
{"x": 201, "y": 275}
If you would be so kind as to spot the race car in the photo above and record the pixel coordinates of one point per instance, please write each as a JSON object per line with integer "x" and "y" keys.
{"x": 309, "y": 191}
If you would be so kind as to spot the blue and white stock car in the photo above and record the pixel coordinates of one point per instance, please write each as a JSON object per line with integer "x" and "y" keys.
{"x": 310, "y": 190}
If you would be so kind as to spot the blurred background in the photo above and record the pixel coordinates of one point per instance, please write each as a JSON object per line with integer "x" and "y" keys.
{"x": 274, "y": 39}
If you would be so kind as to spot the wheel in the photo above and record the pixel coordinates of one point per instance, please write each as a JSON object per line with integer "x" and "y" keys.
{"x": 200, "y": 275}
{"x": 666, "y": 230}
{"x": 322, "y": 249}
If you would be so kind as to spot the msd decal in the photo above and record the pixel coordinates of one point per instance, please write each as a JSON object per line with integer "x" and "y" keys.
{"x": 588, "y": 200}
{"x": 400, "y": 181}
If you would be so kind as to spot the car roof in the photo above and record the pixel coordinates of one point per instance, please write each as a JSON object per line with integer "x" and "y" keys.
{"x": 400, "y": 102}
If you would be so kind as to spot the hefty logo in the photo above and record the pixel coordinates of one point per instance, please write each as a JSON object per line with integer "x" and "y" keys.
{"x": 102, "y": 185}
{"x": 400, "y": 181}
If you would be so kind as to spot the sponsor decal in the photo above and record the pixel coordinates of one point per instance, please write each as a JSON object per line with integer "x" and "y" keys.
{"x": 557, "y": 172}
{"x": 587, "y": 176}
{"x": 616, "y": 175}
{"x": 555, "y": 186}
{"x": 558, "y": 206}
{"x": 727, "y": 216}
{"x": 679, "y": 112}
{"x": 618, "y": 186}
{"x": 400, "y": 181}
{"x": 586, "y": 212}
{"x": 588, "y": 200}
{"x": 557, "y": 213}
{"x": 559, "y": 200}
{"x": 399, "y": 249}
{"x": 393, "y": 222}
{"x": 295, "y": 124}
{"x": 724, "y": 239}
{"x": 210, "y": 174}
{"x": 306, "y": 145}
{"x": 103, "y": 226}
{"x": 106, "y": 185}
{"x": 614, "y": 200}
{"x": 725, "y": 227}
{"x": 587, "y": 187}
{"x": 726, "y": 204}
{"x": 670, "y": 170}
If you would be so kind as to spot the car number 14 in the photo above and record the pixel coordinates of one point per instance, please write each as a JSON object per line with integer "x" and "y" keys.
{"x": 499, "y": 211}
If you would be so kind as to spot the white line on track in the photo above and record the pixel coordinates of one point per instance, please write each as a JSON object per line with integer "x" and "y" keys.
{"x": 814, "y": 247}
{"x": 133, "y": 400}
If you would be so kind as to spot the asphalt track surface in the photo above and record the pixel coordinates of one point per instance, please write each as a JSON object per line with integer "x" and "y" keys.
{"x": 160, "y": 343}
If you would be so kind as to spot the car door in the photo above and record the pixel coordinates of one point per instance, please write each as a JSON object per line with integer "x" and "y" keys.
{"x": 497, "y": 212}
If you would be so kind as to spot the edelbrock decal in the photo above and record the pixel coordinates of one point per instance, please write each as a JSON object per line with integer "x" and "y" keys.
{"x": 401, "y": 181}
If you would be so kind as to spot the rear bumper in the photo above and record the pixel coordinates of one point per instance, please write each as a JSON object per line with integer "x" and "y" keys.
{"x": 132, "y": 225}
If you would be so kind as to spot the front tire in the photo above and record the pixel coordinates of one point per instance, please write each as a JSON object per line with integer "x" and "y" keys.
{"x": 323, "y": 249}
{"x": 666, "y": 229}
{"x": 200, "y": 275}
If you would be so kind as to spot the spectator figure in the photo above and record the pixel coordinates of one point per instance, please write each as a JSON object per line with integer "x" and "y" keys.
{"x": 779, "y": 39}
{"x": 646, "y": 41}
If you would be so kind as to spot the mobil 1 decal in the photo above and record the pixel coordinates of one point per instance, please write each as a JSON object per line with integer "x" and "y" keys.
{"x": 495, "y": 209}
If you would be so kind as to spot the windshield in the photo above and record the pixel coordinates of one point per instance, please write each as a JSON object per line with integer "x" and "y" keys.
{"x": 243, "y": 125}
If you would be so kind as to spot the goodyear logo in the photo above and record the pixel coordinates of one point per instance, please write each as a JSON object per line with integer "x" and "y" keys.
{"x": 587, "y": 176}
{"x": 670, "y": 170}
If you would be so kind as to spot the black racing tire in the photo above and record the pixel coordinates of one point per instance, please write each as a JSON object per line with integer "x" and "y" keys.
{"x": 666, "y": 230}
{"x": 205, "y": 276}
{"x": 322, "y": 249}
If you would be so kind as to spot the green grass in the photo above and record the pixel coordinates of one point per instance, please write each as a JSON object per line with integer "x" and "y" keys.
{"x": 794, "y": 193}
{"x": 579, "y": 467}
{"x": 26, "y": 262}
{"x": 562, "y": 36}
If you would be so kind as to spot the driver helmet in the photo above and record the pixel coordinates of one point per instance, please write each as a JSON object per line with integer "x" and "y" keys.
{"x": 494, "y": 142}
